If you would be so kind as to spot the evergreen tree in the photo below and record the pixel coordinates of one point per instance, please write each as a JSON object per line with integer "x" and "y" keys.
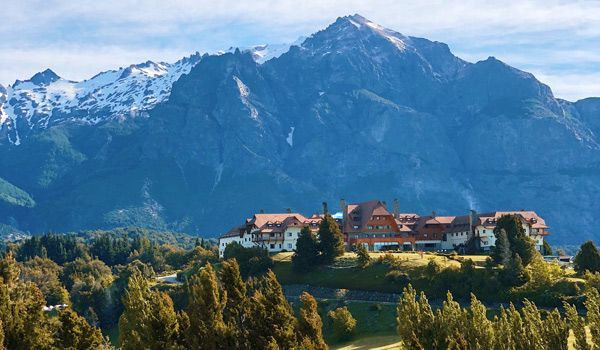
{"x": 546, "y": 248}
{"x": 577, "y": 325}
{"x": 21, "y": 310}
{"x": 450, "y": 322}
{"x": 588, "y": 258}
{"x": 501, "y": 253}
{"x": 149, "y": 320}
{"x": 480, "y": 330}
{"x": 236, "y": 311}
{"x": 75, "y": 333}
{"x": 514, "y": 273}
{"x": 343, "y": 323}
{"x": 1, "y": 336}
{"x": 555, "y": 331}
{"x": 205, "y": 311}
{"x": 415, "y": 320}
{"x": 362, "y": 255}
{"x": 310, "y": 324}
{"x": 503, "y": 332}
{"x": 272, "y": 321}
{"x": 331, "y": 239}
{"x": 519, "y": 242}
{"x": 592, "y": 307}
{"x": 306, "y": 256}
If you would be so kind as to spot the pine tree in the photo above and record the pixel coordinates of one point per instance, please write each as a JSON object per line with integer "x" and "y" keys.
{"x": 480, "y": 333}
{"x": 577, "y": 325}
{"x": 362, "y": 255}
{"x": 310, "y": 324}
{"x": 148, "y": 320}
{"x": 236, "y": 311}
{"x": 306, "y": 256}
{"x": 76, "y": 333}
{"x": 205, "y": 311}
{"x": 503, "y": 332}
{"x": 450, "y": 321}
{"x": 272, "y": 320}
{"x": 532, "y": 326}
{"x": 331, "y": 239}
{"x": 415, "y": 320}
{"x": 592, "y": 307}
{"x": 501, "y": 253}
{"x": 555, "y": 331}
{"x": 588, "y": 258}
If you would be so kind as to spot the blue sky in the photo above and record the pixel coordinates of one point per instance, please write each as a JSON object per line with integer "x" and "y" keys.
{"x": 557, "y": 41}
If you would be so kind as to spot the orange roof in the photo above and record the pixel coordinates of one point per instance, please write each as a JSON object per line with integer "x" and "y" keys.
{"x": 529, "y": 216}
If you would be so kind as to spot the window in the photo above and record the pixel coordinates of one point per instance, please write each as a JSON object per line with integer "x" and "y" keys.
{"x": 279, "y": 245}
{"x": 289, "y": 246}
{"x": 355, "y": 226}
{"x": 289, "y": 234}
{"x": 272, "y": 246}
{"x": 370, "y": 227}
{"x": 483, "y": 231}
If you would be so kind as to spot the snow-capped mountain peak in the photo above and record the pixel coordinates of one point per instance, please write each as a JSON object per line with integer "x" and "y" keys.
{"x": 46, "y": 99}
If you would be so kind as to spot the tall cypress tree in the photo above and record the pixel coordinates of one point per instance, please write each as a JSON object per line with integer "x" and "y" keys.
{"x": 501, "y": 253}
{"x": 205, "y": 310}
{"x": 577, "y": 325}
{"x": 331, "y": 239}
{"x": 148, "y": 320}
{"x": 306, "y": 255}
{"x": 272, "y": 320}
{"x": 236, "y": 311}
{"x": 310, "y": 324}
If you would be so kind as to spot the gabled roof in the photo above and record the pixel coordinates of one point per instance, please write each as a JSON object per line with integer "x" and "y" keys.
{"x": 235, "y": 231}
{"x": 528, "y": 216}
{"x": 364, "y": 211}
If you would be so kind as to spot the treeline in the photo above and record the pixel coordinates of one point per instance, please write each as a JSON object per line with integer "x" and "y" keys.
{"x": 91, "y": 275}
{"x": 115, "y": 247}
{"x": 24, "y": 324}
{"x": 455, "y": 327}
{"x": 222, "y": 312}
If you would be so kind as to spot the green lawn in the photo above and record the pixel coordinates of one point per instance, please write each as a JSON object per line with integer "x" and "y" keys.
{"x": 371, "y": 278}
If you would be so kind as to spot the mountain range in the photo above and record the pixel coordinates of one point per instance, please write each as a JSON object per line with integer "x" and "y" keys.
{"x": 354, "y": 111}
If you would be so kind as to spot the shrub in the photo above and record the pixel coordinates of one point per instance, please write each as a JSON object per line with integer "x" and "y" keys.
{"x": 343, "y": 323}
{"x": 397, "y": 277}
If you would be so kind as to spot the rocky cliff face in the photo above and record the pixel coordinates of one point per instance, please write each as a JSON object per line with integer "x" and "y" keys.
{"x": 356, "y": 111}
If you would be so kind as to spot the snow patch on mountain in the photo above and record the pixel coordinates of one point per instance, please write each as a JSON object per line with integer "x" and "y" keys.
{"x": 290, "y": 138}
{"x": 244, "y": 93}
{"x": 264, "y": 52}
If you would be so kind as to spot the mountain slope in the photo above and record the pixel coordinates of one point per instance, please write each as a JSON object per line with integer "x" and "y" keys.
{"x": 356, "y": 111}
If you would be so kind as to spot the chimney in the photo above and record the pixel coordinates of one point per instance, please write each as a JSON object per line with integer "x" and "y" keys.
{"x": 396, "y": 208}
{"x": 262, "y": 211}
{"x": 344, "y": 207}
{"x": 433, "y": 213}
{"x": 325, "y": 211}
{"x": 288, "y": 210}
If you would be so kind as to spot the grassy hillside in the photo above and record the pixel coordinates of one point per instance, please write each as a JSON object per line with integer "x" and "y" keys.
{"x": 12, "y": 195}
